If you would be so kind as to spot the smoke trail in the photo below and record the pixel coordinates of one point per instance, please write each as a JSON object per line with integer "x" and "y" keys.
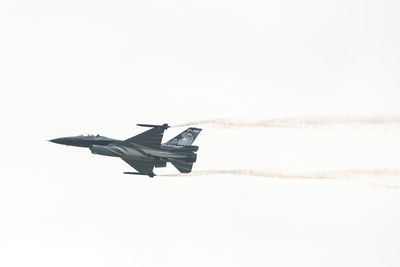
{"x": 346, "y": 175}
{"x": 298, "y": 122}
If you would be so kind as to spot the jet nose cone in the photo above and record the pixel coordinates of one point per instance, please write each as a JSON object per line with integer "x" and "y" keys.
{"x": 61, "y": 141}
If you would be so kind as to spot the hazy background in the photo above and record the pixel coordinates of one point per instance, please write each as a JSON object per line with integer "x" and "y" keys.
{"x": 75, "y": 67}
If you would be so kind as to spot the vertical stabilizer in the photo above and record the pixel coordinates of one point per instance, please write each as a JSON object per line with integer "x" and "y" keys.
{"x": 186, "y": 138}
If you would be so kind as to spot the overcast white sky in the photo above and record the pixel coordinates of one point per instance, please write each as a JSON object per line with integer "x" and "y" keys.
{"x": 75, "y": 67}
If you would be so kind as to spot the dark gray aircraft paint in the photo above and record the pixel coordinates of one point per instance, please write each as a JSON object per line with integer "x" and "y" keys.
{"x": 143, "y": 151}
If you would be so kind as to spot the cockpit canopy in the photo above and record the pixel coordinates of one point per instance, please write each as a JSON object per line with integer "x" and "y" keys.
{"x": 90, "y": 135}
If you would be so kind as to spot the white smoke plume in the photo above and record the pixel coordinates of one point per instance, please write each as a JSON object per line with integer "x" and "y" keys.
{"x": 316, "y": 122}
{"x": 345, "y": 175}
{"x": 377, "y": 177}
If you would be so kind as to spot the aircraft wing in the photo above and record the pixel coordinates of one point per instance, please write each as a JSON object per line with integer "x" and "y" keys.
{"x": 143, "y": 167}
{"x": 150, "y": 138}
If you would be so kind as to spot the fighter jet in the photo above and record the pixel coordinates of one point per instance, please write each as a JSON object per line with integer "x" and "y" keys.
{"x": 143, "y": 151}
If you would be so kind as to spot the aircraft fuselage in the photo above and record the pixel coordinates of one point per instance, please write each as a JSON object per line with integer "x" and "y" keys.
{"x": 144, "y": 151}
{"x": 110, "y": 147}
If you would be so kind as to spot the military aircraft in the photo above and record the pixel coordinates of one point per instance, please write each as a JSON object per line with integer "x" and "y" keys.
{"x": 143, "y": 151}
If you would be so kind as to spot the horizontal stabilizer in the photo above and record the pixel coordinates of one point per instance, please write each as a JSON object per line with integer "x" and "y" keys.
{"x": 182, "y": 166}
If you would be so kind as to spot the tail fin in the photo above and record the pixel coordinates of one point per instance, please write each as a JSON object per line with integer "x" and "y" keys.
{"x": 186, "y": 138}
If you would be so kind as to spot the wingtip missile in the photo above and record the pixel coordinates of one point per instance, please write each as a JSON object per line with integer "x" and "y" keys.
{"x": 138, "y": 173}
{"x": 164, "y": 126}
